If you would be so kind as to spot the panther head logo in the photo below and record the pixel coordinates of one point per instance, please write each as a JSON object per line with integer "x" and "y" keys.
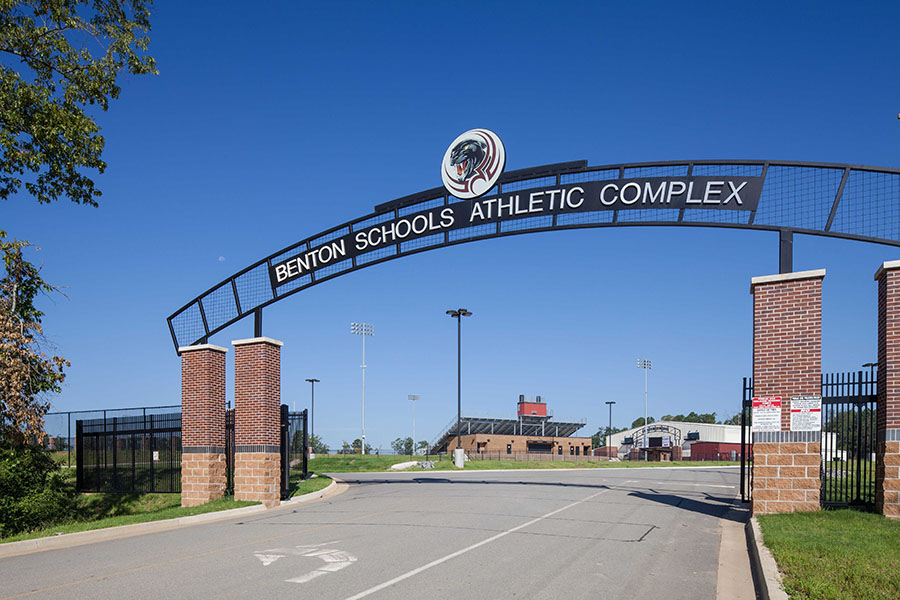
{"x": 473, "y": 163}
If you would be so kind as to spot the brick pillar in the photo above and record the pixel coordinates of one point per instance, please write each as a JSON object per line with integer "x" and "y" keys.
{"x": 787, "y": 361}
{"x": 202, "y": 424}
{"x": 887, "y": 459}
{"x": 257, "y": 420}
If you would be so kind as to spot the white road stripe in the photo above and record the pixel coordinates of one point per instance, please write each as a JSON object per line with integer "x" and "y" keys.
{"x": 439, "y": 561}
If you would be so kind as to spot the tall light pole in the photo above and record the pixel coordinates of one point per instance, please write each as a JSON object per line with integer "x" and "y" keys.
{"x": 312, "y": 408}
{"x": 458, "y": 314}
{"x": 609, "y": 430}
{"x": 646, "y": 365}
{"x": 365, "y": 330}
{"x": 414, "y": 397}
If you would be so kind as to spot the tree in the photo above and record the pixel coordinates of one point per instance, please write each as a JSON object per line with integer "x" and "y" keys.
{"x": 70, "y": 54}
{"x": 403, "y": 445}
{"x": 317, "y": 445}
{"x": 346, "y": 448}
{"x": 27, "y": 374}
{"x": 639, "y": 422}
{"x": 599, "y": 438}
{"x": 735, "y": 420}
{"x": 421, "y": 445}
{"x": 357, "y": 446}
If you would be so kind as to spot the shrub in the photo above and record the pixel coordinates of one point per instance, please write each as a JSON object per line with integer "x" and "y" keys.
{"x": 32, "y": 491}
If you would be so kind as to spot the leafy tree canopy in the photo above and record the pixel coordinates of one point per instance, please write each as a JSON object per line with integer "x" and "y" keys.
{"x": 58, "y": 58}
{"x": 403, "y": 445}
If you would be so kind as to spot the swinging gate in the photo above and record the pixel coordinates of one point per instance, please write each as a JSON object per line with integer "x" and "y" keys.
{"x": 848, "y": 440}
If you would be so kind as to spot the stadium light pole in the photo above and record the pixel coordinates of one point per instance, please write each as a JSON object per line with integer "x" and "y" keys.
{"x": 414, "y": 397}
{"x": 458, "y": 314}
{"x": 646, "y": 365}
{"x": 365, "y": 330}
{"x": 609, "y": 431}
{"x": 312, "y": 408}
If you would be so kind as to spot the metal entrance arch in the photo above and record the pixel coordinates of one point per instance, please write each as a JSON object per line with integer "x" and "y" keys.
{"x": 827, "y": 199}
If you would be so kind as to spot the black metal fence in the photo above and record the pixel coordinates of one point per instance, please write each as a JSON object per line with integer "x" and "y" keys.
{"x": 294, "y": 447}
{"x": 60, "y": 425}
{"x": 746, "y": 441}
{"x": 131, "y": 454}
{"x": 848, "y": 439}
{"x": 848, "y": 443}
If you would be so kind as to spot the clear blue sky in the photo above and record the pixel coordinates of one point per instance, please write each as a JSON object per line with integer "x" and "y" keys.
{"x": 269, "y": 125}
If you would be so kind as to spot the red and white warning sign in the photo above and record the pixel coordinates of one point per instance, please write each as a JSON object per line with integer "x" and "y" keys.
{"x": 766, "y": 414}
{"x": 806, "y": 413}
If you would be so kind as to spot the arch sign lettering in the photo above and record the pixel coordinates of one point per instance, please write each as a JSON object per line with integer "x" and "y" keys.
{"x": 480, "y": 200}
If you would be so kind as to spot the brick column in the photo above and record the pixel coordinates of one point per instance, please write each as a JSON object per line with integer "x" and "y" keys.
{"x": 787, "y": 361}
{"x": 887, "y": 459}
{"x": 202, "y": 424}
{"x": 257, "y": 420}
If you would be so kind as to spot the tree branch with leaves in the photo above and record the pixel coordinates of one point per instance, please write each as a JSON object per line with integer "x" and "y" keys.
{"x": 27, "y": 372}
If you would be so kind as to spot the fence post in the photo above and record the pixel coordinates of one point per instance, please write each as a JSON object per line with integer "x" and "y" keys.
{"x": 152, "y": 447}
{"x": 305, "y": 444}
{"x": 79, "y": 458}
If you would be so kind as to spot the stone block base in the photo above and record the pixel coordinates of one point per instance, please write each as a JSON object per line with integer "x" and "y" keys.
{"x": 202, "y": 478}
{"x": 887, "y": 480}
{"x": 257, "y": 477}
{"x": 786, "y": 477}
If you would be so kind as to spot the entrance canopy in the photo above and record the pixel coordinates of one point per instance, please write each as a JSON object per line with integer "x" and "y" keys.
{"x": 835, "y": 200}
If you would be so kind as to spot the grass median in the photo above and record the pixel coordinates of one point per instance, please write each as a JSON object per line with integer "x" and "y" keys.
{"x": 835, "y": 554}
{"x": 355, "y": 463}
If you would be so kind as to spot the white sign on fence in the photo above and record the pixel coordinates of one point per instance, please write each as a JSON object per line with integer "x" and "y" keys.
{"x": 806, "y": 413}
{"x": 766, "y": 414}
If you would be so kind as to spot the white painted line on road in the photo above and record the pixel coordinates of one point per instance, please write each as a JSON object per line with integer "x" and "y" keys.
{"x": 268, "y": 559}
{"x": 439, "y": 561}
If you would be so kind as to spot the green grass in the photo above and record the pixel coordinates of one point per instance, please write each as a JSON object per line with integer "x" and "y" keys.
{"x": 314, "y": 483}
{"x": 835, "y": 554}
{"x": 98, "y": 511}
{"x": 355, "y": 463}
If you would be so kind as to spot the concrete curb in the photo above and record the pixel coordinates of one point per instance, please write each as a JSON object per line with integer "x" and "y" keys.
{"x": 765, "y": 572}
{"x": 551, "y": 470}
{"x": 68, "y": 540}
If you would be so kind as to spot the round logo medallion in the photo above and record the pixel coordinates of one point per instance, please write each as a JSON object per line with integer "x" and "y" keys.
{"x": 473, "y": 163}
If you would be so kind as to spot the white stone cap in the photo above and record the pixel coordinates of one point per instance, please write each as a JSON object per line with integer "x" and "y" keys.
{"x": 786, "y": 277}
{"x": 258, "y": 340}
{"x": 886, "y": 266}
{"x": 182, "y": 349}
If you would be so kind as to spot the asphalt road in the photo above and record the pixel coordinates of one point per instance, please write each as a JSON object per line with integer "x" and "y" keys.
{"x": 603, "y": 533}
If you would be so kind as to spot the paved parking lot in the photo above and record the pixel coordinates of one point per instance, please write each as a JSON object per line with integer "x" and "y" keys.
{"x": 602, "y": 533}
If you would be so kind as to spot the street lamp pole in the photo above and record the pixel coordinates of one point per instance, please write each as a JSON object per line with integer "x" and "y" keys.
{"x": 365, "y": 330}
{"x": 646, "y": 365}
{"x": 458, "y": 315}
{"x": 609, "y": 431}
{"x": 414, "y": 397}
{"x": 312, "y": 409}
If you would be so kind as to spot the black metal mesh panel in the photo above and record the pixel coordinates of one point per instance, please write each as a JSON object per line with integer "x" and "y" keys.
{"x": 219, "y": 306}
{"x": 188, "y": 325}
{"x": 372, "y": 221}
{"x": 728, "y": 170}
{"x": 472, "y": 232}
{"x": 290, "y": 253}
{"x": 253, "y": 287}
{"x": 527, "y": 184}
{"x": 368, "y": 257}
{"x": 870, "y": 206}
{"x": 293, "y": 285}
{"x": 491, "y": 192}
{"x": 414, "y": 208}
{"x": 526, "y": 223}
{"x": 709, "y": 215}
{"x": 798, "y": 196}
{"x": 335, "y": 268}
{"x": 665, "y": 171}
{"x": 650, "y": 214}
{"x": 601, "y": 175}
{"x": 423, "y": 242}
{"x": 583, "y": 218}
{"x": 330, "y": 236}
